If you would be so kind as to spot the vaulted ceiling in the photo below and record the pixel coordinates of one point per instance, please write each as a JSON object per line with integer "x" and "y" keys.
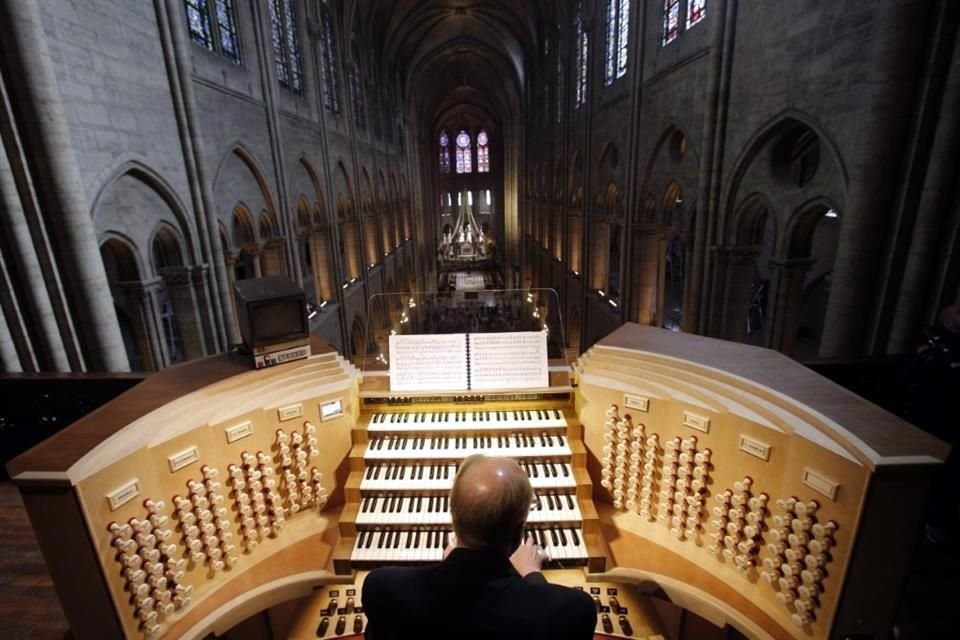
{"x": 459, "y": 55}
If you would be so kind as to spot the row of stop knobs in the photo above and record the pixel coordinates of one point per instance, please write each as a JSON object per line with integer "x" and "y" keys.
{"x": 737, "y": 529}
{"x": 259, "y": 501}
{"x": 151, "y": 571}
{"x": 799, "y": 556}
{"x": 205, "y": 522}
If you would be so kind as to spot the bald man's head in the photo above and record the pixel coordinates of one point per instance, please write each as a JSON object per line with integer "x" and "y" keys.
{"x": 489, "y": 503}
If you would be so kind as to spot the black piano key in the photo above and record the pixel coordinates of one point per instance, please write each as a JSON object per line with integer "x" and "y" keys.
{"x": 569, "y": 501}
{"x": 576, "y": 538}
{"x": 565, "y": 469}
{"x": 563, "y": 537}
{"x": 555, "y": 537}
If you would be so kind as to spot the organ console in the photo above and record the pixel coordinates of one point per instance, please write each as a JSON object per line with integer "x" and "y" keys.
{"x": 727, "y": 479}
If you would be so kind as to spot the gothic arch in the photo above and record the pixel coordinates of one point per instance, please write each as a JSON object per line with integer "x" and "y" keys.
{"x": 313, "y": 175}
{"x": 155, "y": 182}
{"x": 267, "y": 226}
{"x": 750, "y": 217}
{"x": 753, "y": 155}
{"x": 243, "y": 231}
{"x": 166, "y": 247}
{"x": 127, "y": 263}
{"x": 667, "y": 134}
{"x": 798, "y": 235}
{"x": 249, "y": 161}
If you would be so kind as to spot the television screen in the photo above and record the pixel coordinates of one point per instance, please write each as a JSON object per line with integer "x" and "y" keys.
{"x": 278, "y": 320}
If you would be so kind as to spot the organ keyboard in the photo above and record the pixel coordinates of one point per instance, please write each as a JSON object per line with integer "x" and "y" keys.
{"x": 409, "y": 460}
{"x": 735, "y": 481}
{"x": 465, "y": 420}
{"x": 435, "y": 509}
{"x": 515, "y": 445}
{"x": 397, "y": 476}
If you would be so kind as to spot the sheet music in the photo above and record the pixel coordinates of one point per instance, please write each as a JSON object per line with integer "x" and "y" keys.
{"x": 514, "y": 360}
{"x": 428, "y": 362}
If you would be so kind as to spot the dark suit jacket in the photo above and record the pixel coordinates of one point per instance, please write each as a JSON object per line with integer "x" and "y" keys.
{"x": 472, "y": 594}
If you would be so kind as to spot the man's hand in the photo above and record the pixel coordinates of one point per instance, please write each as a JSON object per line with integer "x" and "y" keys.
{"x": 528, "y": 557}
{"x": 451, "y": 546}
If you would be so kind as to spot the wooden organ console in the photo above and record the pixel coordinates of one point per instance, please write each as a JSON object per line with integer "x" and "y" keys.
{"x": 728, "y": 479}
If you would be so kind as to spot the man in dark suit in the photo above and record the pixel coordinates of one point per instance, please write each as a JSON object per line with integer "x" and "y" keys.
{"x": 489, "y": 585}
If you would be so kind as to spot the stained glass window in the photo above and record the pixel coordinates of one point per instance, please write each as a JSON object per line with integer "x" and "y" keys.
{"x": 286, "y": 49}
{"x": 696, "y": 11}
{"x": 444, "y": 152}
{"x": 583, "y": 51}
{"x": 464, "y": 153}
{"x": 227, "y": 25}
{"x": 559, "y": 88}
{"x": 483, "y": 153}
{"x": 623, "y": 36}
{"x": 671, "y": 20}
{"x": 328, "y": 61}
{"x": 293, "y": 47}
{"x": 213, "y": 25}
{"x": 198, "y": 22}
{"x": 356, "y": 85}
{"x": 610, "y": 54}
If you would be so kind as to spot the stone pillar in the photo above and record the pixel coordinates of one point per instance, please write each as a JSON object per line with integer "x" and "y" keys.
{"x": 733, "y": 274}
{"x": 203, "y": 279}
{"x": 141, "y": 302}
{"x": 256, "y": 258}
{"x": 230, "y": 262}
{"x": 34, "y": 90}
{"x": 644, "y": 279}
{"x": 351, "y": 249}
{"x": 271, "y": 258}
{"x": 786, "y": 291}
{"x": 9, "y": 358}
{"x": 181, "y": 284}
{"x": 599, "y": 254}
{"x": 30, "y": 299}
{"x": 323, "y": 279}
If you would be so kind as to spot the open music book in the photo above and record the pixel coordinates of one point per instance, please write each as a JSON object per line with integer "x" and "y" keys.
{"x": 469, "y": 361}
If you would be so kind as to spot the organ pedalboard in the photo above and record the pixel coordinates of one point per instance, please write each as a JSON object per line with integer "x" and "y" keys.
{"x": 726, "y": 479}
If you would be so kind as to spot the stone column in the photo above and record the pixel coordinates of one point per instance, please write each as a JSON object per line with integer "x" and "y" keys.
{"x": 9, "y": 358}
{"x": 256, "y": 258}
{"x": 598, "y": 254}
{"x": 351, "y": 249}
{"x": 786, "y": 291}
{"x": 644, "y": 278}
{"x": 230, "y": 263}
{"x": 36, "y": 93}
{"x": 141, "y": 303}
{"x": 181, "y": 283}
{"x": 29, "y": 293}
{"x": 322, "y": 278}
{"x": 271, "y": 257}
{"x": 733, "y": 274}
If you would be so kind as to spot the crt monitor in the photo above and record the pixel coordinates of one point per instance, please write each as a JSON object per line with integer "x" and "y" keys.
{"x": 271, "y": 311}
